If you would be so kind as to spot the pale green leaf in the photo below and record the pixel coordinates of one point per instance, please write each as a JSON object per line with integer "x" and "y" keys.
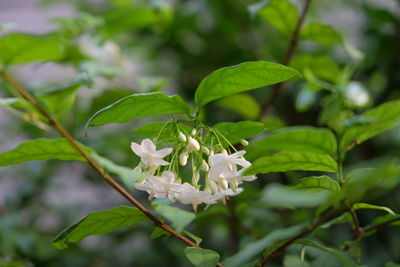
{"x": 357, "y": 206}
{"x": 157, "y": 232}
{"x": 179, "y": 218}
{"x": 96, "y": 223}
{"x": 281, "y": 14}
{"x": 235, "y": 131}
{"x": 321, "y": 33}
{"x": 239, "y": 78}
{"x": 202, "y": 257}
{"x": 376, "y": 121}
{"x": 293, "y": 161}
{"x": 297, "y": 138}
{"x": 276, "y": 195}
{"x": 394, "y": 219}
{"x": 41, "y": 149}
{"x": 317, "y": 183}
{"x": 137, "y": 106}
{"x": 242, "y": 104}
{"x": 193, "y": 236}
{"x": 18, "y": 48}
{"x": 339, "y": 256}
{"x": 344, "y": 218}
{"x": 254, "y": 248}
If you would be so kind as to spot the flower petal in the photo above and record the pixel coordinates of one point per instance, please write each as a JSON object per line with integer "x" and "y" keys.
{"x": 148, "y": 146}
{"x": 164, "y": 152}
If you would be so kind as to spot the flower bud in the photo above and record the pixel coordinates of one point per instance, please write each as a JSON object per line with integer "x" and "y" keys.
{"x": 183, "y": 158}
{"x": 196, "y": 178}
{"x": 193, "y": 144}
{"x": 244, "y": 142}
{"x": 222, "y": 182}
{"x": 204, "y": 166}
{"x": 193, "y": 133}
{"x": 205, "y": 150}
{"x": 213, "y": 186}
{"x": 182, "y": 137}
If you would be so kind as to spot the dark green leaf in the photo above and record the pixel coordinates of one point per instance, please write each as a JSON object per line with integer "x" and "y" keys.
{"x": 239, "y": 78}
{"x": 281, "y": 14}
{"x": 243, "y": 104}
{"x": 202, "y": 257}
{"x": 291, "y": 161}
{"x": 317, "y": 183}
{"x": 18, "y": 48}
{"x": 96, "y": 223}
{"x": 41, "y": 149}
{"x": 297, "y": 139}
{"x": 340, "y": 256}
{"x": 255, "y": 248}
{"x": 321, "y": 33}
{"x": 377, "y": 120}
{"x": 179, "y": 218}
{"x": 235, "y": 131}
{"x": 137, "y": 106}
{"x": 357, "y": 206}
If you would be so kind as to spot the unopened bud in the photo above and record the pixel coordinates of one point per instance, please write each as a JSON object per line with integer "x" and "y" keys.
{"x": 213, "y": 186}
{"x": 244, "y": 142}
{"x": 205, "y": 150}
{"x": 193, "y": 144}
{"x": 193, "y": 133}
{"x": 196, "y": 178}
{"x": 204, "y": 166}
{"x": 183, "y": 158}
{"x": 182, "y": 137}
{"x": 222, "y": 182}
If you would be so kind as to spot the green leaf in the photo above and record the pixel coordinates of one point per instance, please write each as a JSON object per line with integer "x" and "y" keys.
{"x": 242, "y": 104}
{"x": 169, "y": 130}
{"x": 340, "y": 256}
{"x": 202, "y": 257}
{"x": 137, "y": 106}
{"x": 128, "y": 175}
{"x": 344, "y": 218}
{"x": 357, "y": 206}
{"x": 96, "y": 223}
{"x": 252, "y": 249}
{"x": 291, "y": 161}
{"x": 281, "y": 14}
{"x": 18, "y": 48}
{"x": 61, "y": 100}
{"x": 321, "y": 33}
{"x": 317, "y": 183}
{"x": 385, "y": 219}
{"x": 376, "y": 121}
{"x": 157, "y": 232}
{"x": 239, "y": 78}
{"x": 235, "y": 131}
{"x": 41, "y": 149}
{"x": 276, "y": 195}
{"x": 297, "y": 139}
{"x": 322, "y": 67}
{"x": 193, "y": 236}
{"x": 179, "y": 218}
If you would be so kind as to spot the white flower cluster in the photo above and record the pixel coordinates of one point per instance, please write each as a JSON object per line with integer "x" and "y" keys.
{"x": 223, "y": 173}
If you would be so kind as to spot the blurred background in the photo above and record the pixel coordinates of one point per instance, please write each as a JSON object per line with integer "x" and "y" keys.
{"x": 118, "y": 47}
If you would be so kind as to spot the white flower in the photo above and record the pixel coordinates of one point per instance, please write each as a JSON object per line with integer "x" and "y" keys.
{"x": 356, "y": 94}
{"x": 223, "y": 165}
{"x": 227, "y": 193}
{"x": 189, "y": 195}
{"x": 148, "y": 153}
{"x": 237, "y": 178}
{"x": 160, "y": 187}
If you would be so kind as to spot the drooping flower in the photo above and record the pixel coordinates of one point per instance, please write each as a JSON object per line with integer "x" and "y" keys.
{"x": 227, "y": 193}
{"x": 237, "y": 178}
{"x": 148, "y": 154}
{"x": 189, "y": 195}
{"x": 193, "y": 145}
{"x": 163, "y": 186}
{"x": 223, "y": 166}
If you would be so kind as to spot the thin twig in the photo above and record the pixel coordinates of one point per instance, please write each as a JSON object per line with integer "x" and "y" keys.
{"x": 358, "y": 228}
{"x": 63, "y": 132}
{"x": 266, "y": 106}
{"x": 367, "y": 229}
{"x": 279, "y": 250}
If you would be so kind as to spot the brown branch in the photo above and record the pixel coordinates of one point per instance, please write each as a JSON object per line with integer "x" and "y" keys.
{"x": 279, "y": 250}
{"x": 63, "y": 132}
{"x": 358, "y": 228}
{"x": 266, "y": 106}
{"x": 367, "y": 229}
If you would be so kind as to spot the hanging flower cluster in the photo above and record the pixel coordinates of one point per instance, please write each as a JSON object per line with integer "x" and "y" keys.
{"x": 221, "y": 171}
